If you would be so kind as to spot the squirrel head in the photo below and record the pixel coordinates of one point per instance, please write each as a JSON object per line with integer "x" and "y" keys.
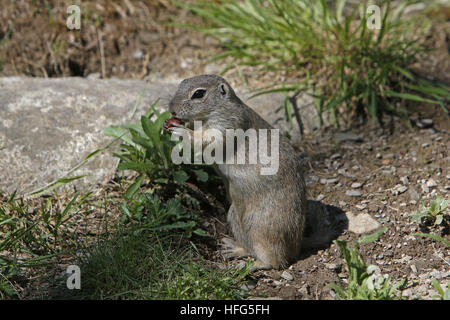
{"x": 202, "y": 98}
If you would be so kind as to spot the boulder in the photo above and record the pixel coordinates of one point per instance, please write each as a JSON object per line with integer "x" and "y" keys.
{"x": 48, "y": 126}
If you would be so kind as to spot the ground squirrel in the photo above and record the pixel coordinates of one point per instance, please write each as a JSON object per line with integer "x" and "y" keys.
{"x": 267, "y": 212}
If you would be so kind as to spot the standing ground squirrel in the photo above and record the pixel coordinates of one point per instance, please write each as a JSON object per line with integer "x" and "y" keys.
{"x": 267, "y": 212}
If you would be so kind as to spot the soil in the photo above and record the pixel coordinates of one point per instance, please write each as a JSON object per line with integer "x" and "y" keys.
{"x": 132, "y": 39}
{"x": 127, "y": 40}
{"x": 380, "y": 163}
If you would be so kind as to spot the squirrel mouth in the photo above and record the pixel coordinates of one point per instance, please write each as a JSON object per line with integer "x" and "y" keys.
{"x": 174, "y": 122}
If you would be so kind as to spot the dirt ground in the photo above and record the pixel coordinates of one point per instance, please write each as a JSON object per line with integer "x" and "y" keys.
{"x": 132, "y": 40}
{"x": 123, "y": 39}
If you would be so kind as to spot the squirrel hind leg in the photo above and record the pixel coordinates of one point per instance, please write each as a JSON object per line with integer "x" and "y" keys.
{"x": 267, "y": 258}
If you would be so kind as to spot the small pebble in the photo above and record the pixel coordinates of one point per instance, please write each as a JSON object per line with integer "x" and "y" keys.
{"x": 431, "y": 183}
{"x": 356, "y": 185}
{"x": 353, "y": 193}
{"x": 287, "y": 276}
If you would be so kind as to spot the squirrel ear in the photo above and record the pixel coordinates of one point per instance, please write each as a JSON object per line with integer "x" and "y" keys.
{"x": 223, "y": 89}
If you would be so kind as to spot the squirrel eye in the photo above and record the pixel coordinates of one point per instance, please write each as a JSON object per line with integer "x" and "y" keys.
{"x": 198, "y": 94}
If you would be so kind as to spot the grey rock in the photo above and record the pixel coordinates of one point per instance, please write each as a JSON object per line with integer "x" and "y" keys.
{"x": 360, "y": 207}
{"x": 335, "y": 156}
{"x": 287, "y": 276}
{"x": 304, "y": 290}
{"x": 320, "y": 197}
{"x": 48, "y": 126}
{"x": 93, "y": 76}
{"x": 413, "y": 194}
{"x": 356, "y": 185}
{"x": 431, "y": 183}
{"x": 347, "y": 136}
{"x": 424, "y": 123}
{"x": 333, "y": 266}
{"x": 138, "y": 54}
{"x": 405, "y": 180}
{"x": 361, "y": 223}
{"x": 399, "y": 189}
{"x": 329, "y": 181}
{"x": 353, "y": 193}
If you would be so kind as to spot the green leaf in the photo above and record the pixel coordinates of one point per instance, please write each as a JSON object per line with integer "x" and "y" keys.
{"x": 409, "y": 96}
{"x": 201, "y": 175}
{"x": 119, "y": 133}
{"x": 447, "y": 293}
{"x": 437, "y": 287}
{"x": 181, "y": 177}
{"x": 131, "y": 191}
{"x": 200, "y": 232}
{"x": 150, "y": 131}
{"x": 57, "y": 183}
{"x": 372, "y": 237}
{"x": 139, "y": 167}
{"x": 434, "y": 237}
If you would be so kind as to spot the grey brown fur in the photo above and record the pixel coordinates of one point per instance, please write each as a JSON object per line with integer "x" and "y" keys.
{"x": 267, "y": 212}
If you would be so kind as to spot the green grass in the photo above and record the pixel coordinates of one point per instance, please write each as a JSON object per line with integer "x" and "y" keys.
{"x": 33, "y": 234}
{"x": 147, "y": 266}
{"x": 150, "y": 254}
{"x": 328, "y": 51}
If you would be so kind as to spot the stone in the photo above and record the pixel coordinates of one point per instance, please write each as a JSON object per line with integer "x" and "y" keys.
{"x": 58, "y": 122}
{"x": 329, "y": 181}
{"x": 425, "y": 188}
{"x": 335, "y": 156}
{"x": 353, "y": 193}
{"x": 138, "y": 54}
{"x": 399, "y": 189}
{"x": 405, "y": 180}
{"x": 48, "y": 126}
{"x": 361, "y": 223}
{"x": 431, "y": 183}
{"x": 347, "y": 137}
{"x": 333, "y": 266}
{"x": 413, "y": 195}
{"x": 287, "y": 276}
{"x": 356, "y": 185}
{"x": 360, "y": 207}
{"x": 424, "y": 123}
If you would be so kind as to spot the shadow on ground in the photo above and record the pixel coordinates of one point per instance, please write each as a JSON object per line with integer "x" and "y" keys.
{"x": 324, "y": 223}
